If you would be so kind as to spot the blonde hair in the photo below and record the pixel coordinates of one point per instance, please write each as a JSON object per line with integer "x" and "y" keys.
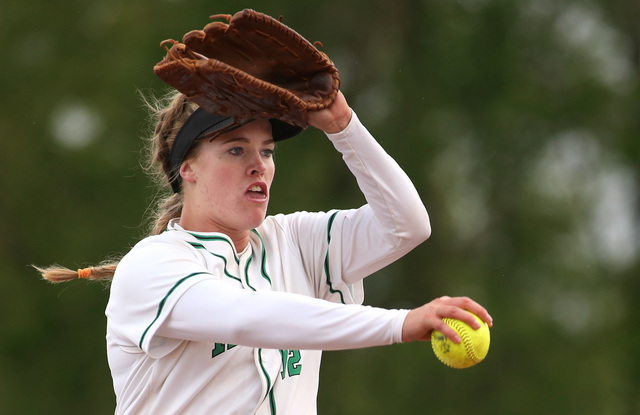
{"x": 167, "y": 114}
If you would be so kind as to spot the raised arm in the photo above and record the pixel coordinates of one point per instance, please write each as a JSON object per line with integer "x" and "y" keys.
{"x": 394, "y": 220}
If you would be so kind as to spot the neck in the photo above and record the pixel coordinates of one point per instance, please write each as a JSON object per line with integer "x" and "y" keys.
{"x": 241, "y": 243}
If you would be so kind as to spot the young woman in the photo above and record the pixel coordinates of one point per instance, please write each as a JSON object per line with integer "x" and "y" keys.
{"x": 226, "y": 310}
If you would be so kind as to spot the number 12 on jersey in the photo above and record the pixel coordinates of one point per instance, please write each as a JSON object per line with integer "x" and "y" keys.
{"x": 291, "y": 365}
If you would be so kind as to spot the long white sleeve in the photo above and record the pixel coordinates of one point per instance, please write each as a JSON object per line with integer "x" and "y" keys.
{"x": 394, "y": 216}
{"x": 212, "y": 311}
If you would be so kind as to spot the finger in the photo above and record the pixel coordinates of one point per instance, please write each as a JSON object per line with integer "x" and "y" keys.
{"x": 482, "y": 313}
{"x": 465, "y": 303}
{"x": 463, "y": 315}
{"x": 446, "y": 330}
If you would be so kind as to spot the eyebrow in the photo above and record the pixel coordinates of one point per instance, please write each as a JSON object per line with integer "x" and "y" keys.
{"x": 243, "y": 139}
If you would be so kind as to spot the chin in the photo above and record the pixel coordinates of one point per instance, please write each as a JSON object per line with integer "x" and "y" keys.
{"x": 256, "y": 220}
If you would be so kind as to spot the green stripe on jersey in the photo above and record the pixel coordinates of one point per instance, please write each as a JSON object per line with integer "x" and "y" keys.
{"x": 246, "y": 273}
{"x": 263, "y": 267}
{"x": 197, "y": 245}
{"x": 164, "y": 301}
{"x": 270, "y": 395}
{"x": 219, "y": 239}
{"x": 326, "y": 260}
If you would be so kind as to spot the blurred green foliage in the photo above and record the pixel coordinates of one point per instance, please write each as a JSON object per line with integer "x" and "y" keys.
{"x": 517, "y": 120}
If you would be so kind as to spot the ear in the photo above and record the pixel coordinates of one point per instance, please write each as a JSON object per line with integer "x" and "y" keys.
{"x": 187, "y": 173}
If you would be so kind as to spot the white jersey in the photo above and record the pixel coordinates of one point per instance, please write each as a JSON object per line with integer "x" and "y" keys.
{"x": 194, "y": 327}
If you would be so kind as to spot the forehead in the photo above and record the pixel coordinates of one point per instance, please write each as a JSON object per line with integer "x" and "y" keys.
{"x": 255, "y": 131}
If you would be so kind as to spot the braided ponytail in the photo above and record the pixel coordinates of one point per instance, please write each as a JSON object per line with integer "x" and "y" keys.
{"x": 56, "y": 274}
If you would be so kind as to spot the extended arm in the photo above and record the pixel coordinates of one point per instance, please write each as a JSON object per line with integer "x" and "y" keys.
{"x": 212, "y": 311}
{"x": 283, "y": 320}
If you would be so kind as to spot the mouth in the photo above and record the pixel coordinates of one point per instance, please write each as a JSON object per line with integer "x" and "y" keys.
{"x": 257, "y": 192}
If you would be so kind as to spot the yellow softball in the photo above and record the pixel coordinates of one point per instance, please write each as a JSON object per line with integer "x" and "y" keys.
{"x": 470, "y": 351}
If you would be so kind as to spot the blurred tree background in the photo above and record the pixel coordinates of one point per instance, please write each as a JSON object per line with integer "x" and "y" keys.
{"x": 517, "y": 120}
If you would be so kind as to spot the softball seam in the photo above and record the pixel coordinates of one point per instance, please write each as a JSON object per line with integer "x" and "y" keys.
{"x": 466, "y": 339}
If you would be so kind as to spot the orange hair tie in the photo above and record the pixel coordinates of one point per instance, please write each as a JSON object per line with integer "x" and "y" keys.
{"x": 84, "y": 273}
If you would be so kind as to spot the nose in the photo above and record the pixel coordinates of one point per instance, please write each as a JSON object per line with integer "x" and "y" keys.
{"x": 257, "y": 165}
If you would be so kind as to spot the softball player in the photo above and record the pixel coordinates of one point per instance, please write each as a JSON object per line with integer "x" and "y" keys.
{"x": 226, "y": 310}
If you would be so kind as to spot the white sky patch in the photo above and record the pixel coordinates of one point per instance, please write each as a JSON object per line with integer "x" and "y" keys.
{"x": 615, "y": 221}
{"x": 564, "y": 165}
{"x": 75, "y": 125}
{"x": 583, "y": 27}
{"x": 574, "y": 172}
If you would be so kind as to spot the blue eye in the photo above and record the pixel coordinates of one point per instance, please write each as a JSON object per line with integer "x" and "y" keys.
{"x": 236, "y": 151}
{"x": 268, "y": 152}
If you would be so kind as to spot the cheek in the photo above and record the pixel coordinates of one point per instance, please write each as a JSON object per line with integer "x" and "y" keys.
{"x": 271, "y": 172}
{"x": 216, "y": 180}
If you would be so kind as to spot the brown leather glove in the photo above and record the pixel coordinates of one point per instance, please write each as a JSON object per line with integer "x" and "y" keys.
{"x": 253, "y": 66}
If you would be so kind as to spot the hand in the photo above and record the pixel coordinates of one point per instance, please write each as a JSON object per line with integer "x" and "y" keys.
{"x": 420, "y": 322}
{"x": 333, "y": 119}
